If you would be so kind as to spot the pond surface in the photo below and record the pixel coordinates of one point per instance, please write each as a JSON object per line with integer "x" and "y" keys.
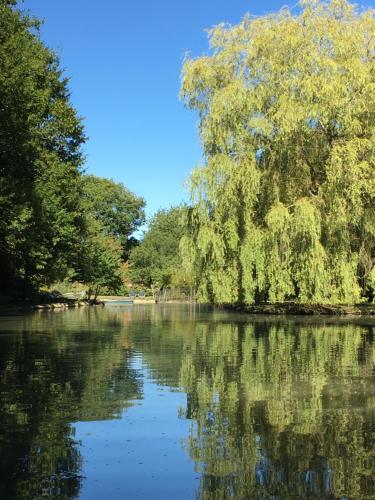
{"x": 175, "y": 402}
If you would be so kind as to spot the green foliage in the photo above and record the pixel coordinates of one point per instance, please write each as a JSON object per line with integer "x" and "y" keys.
{"x": 284, "y": 207}
{"x": 100, "y": 260}
{"x": 56, "y": 223}
{"x": 40, "y": 158}
{"x": 119, "y": 211}
{"x": 156, "y": 260}
{"x": 372, "y": 283}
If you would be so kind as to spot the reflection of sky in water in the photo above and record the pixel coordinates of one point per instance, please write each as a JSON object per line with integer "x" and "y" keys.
{"x": 139, "y": 455}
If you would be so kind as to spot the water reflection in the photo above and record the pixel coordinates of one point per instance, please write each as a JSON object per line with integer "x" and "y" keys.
{"x": 278, "y": 409}
{"x": 281, "y": 410}
{"x": 56, "y": 369}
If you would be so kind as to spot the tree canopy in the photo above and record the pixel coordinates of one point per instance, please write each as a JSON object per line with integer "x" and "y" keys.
{"x": 284, "y": 207}
{"x": 40, "y": 158}
{"x": 56, "y": 223}
{"x": 119, "y": 211}
{"x": 156, "y": 260}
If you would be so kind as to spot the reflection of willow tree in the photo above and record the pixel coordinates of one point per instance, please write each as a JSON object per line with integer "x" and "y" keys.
{"x": 279, "y": 409}
{"x": 269, "y": 417}
{"x": 160, "y": 333}
{"x": 70, "y": 368}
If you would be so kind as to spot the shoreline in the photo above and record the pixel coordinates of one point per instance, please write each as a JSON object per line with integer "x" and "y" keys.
{"x": 266, "y": 309}
{"x": 296, "y": 309}
{"x": 9, "y": 307}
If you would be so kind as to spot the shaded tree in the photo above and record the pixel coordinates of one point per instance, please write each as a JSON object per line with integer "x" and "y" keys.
{"x": 99, "y": 264}
{"x": 40, "y": 158}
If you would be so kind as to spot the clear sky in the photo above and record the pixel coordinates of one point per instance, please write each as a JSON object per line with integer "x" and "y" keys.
{"x": 124, "y": 60}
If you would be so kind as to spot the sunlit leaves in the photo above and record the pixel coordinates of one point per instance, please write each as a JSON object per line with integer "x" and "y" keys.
{"x": 284, "y": 206}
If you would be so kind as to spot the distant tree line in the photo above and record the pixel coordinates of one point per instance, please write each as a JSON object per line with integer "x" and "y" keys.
{"x": 156, "y": 261}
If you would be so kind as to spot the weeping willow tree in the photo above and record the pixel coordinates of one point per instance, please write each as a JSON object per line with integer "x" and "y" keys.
{"x": 284, "y": 207}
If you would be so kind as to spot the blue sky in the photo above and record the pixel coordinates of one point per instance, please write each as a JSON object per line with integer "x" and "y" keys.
{"x": 124, "y": 60}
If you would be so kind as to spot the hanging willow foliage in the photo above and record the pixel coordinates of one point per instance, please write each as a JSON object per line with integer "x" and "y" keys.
{"x": 284, "y": 207}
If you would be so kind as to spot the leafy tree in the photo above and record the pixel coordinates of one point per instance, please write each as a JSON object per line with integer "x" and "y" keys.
{"x": 100, "y": 261}
{"x": 56, "y": 223}
{"x": 157, "y": 259}
{"x": 112, "y": 214}
{"x": 40, "y": 158}
{"x": 284, "y": 207}
{"x": 119, "y": 211}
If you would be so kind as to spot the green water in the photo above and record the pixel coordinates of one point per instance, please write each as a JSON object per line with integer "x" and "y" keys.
{"x": 180, "y": 402}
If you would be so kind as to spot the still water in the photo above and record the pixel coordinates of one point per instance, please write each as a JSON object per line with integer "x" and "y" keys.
{"x": 177, "y": 402}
